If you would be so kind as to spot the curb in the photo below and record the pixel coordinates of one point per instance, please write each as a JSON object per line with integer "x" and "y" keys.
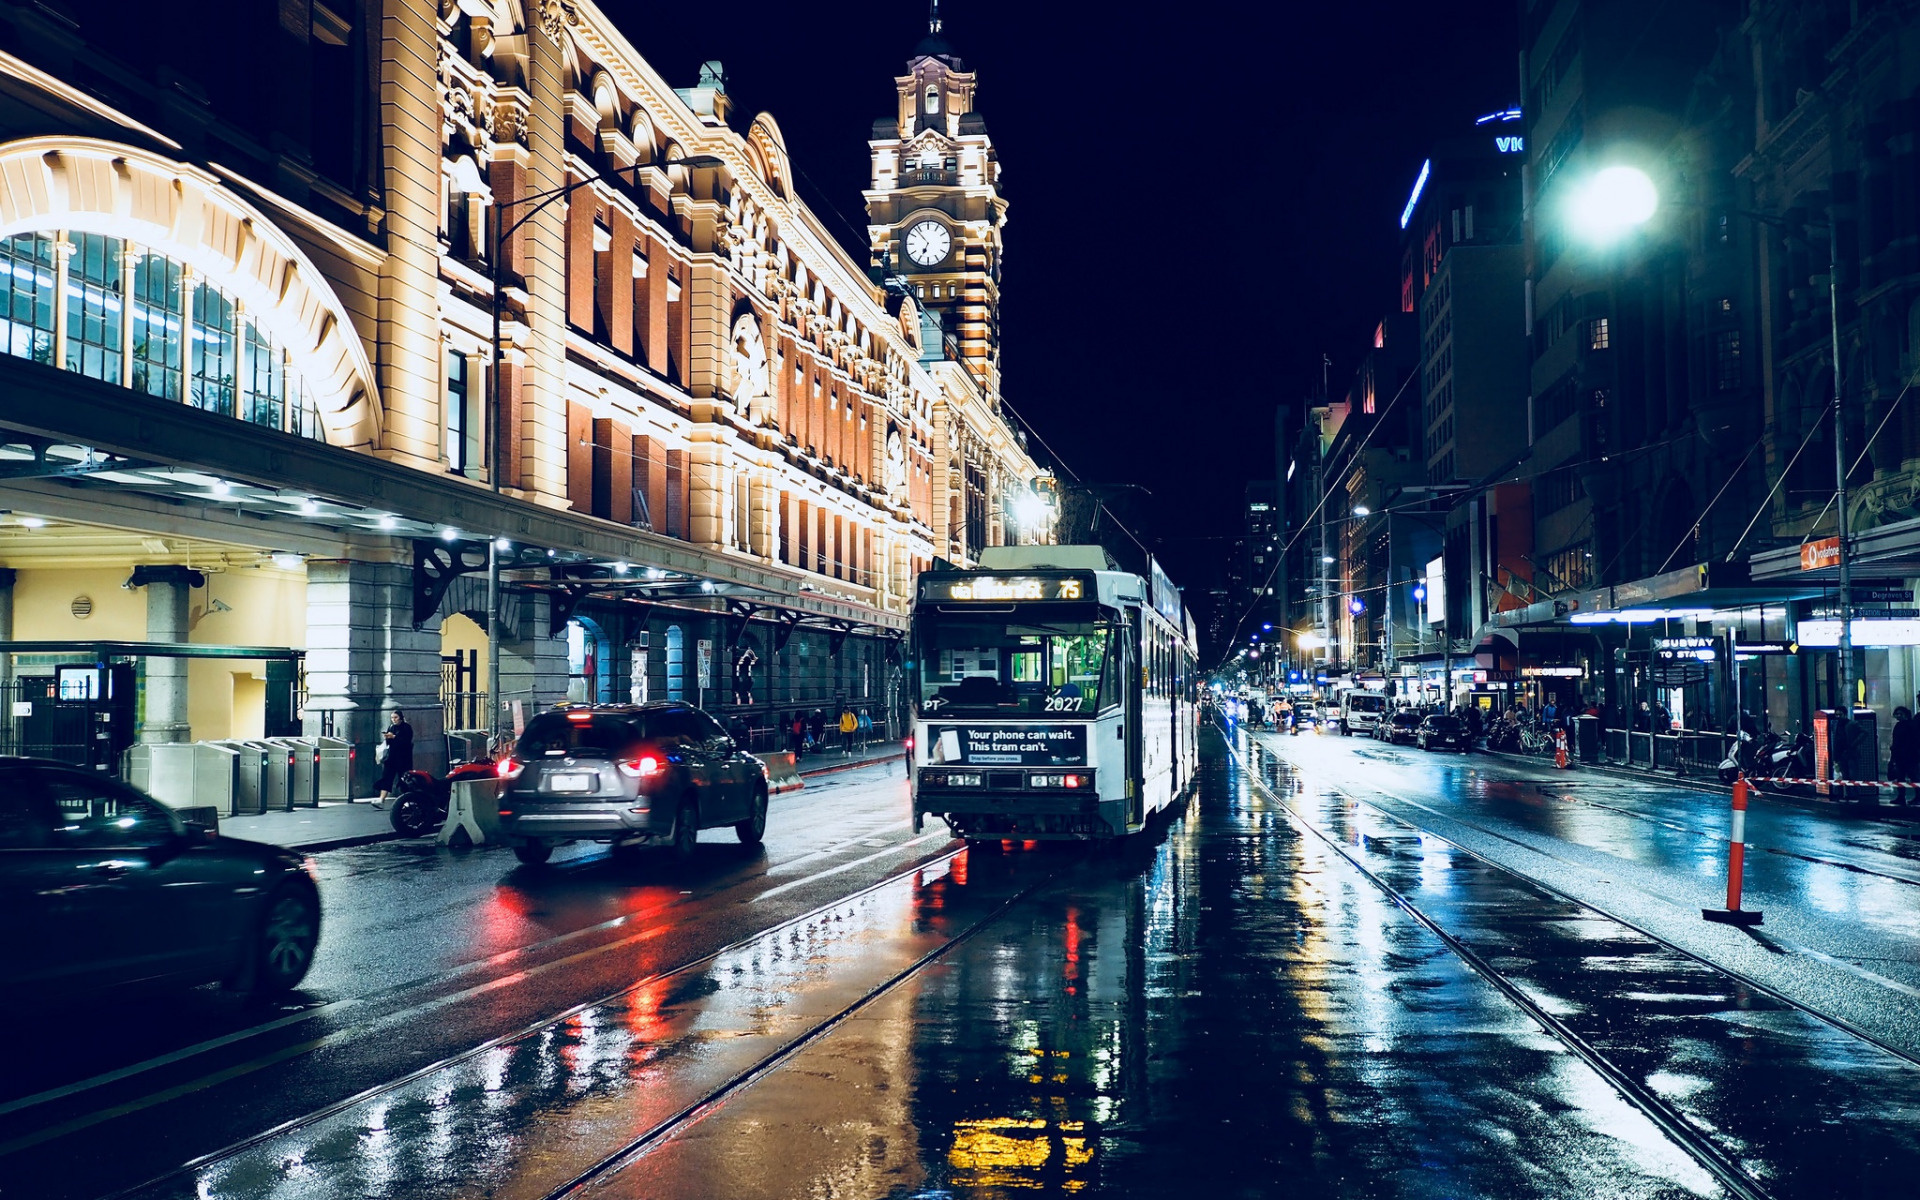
{"x": 852, "y": 766}
{"x": 321, "y": 847}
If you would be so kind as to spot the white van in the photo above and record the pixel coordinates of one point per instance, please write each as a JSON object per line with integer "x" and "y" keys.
{"x": 1361, "y": 710}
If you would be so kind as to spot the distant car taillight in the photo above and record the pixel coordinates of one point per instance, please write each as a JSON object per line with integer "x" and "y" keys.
{"x": 640, "y": 768}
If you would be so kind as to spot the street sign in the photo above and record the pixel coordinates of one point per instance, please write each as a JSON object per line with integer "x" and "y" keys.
{"x": 1765, "y": 647}
{"x": 705, "y": 659}
{"x": 1680, "y": 673}
{"x": 1880, "y": 591}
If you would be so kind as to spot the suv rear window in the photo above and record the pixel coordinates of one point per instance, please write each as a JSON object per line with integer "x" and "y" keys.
{"x": 567, "y": 733}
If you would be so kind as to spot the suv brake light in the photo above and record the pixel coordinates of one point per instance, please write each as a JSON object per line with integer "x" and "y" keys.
{"x": 509, "y": 767}
{"x": 640, "y": 768}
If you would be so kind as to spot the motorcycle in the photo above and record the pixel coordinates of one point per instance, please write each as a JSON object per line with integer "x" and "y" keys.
{"x": 420, "y": 801}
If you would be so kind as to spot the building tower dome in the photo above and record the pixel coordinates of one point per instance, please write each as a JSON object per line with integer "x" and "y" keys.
{"x": 935, "y": 44}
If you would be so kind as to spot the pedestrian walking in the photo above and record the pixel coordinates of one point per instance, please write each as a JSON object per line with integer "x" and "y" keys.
{"x": 817, "y": 727}
{"x": 1903, "y": 755}
{"x": 849, "y": 725}
{"x": 796, "y": 734}
{"x": 396, "y": 754}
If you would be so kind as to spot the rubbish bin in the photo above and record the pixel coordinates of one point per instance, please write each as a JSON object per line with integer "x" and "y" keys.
{"x": 1586, "y": 737}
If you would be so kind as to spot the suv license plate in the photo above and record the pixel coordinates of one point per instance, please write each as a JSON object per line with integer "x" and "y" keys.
{"x": 570, "y": 783}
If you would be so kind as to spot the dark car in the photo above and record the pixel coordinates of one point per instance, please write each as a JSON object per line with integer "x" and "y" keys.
{"x": 629, "y": 775}
{"x": 1442, "y": 730}
{"x": 106, "y": 891}
{"x": 1403, "y": 726}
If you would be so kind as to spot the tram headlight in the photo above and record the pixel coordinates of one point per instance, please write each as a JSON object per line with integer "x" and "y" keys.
{"x": 953, "y": 779}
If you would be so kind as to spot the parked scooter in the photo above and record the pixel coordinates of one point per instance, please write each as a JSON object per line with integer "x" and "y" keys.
{"x": 1743, "y": 758}
{"x": 420, "y": 801}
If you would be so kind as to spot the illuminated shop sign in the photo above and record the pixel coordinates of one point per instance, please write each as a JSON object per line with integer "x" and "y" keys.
{"x": 1675, "y": 649}
{"x": 1867, "y": 631}
{"x": 1003, "y": 588}
{"x": 1553, "y": 672}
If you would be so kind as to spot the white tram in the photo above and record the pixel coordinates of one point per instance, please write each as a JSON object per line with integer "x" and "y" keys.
{"x": 1056, "y": 696}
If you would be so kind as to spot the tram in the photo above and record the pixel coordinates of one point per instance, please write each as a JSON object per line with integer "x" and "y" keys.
{"x": 1056, "y": 696}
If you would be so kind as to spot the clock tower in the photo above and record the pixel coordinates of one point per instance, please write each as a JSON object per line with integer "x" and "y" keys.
{"x": 934, "y": 212}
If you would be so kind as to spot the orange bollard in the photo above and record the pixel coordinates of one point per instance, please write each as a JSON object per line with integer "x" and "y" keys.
{"x": 1733, "y": 914}
{"x": 1560, "y": 748}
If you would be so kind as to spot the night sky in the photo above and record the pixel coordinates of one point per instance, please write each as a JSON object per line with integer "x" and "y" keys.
{"x": 1203, "y": 197}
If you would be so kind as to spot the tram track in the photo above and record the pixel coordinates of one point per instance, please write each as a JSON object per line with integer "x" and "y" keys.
{"x": 511, "y": 966}
{"x": 1673, "y": 1123}
{"x": 1837, "y": 1023}
{"x": 683, "y": 1117}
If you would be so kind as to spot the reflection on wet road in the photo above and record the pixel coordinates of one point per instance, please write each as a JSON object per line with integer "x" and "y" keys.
{"x": 1235, "y": 1010}
{"x": 1304, "y": 983}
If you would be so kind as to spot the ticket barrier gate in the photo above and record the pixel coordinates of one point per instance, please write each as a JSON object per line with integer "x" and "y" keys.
{"x": 249, "y": 775}
{"x": 276, "y": 781}
{"x": 336, "y": 767}
{"x": 198, "y": 780}
{"x": 304, "y": 770}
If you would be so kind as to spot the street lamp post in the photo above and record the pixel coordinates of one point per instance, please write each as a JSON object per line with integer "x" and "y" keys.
{"x": 498, "y": 233}
{"x": 1620, "y": 198}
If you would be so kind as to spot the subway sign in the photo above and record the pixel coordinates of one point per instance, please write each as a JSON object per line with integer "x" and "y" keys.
{"x": 1000, "y": 589}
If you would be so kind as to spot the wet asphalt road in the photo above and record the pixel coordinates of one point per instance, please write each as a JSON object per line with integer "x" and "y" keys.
{"x": 1343, "y": 969}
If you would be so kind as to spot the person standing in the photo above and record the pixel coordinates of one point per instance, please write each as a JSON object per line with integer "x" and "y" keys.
{"x": 817, "y": 726}
{"x": 1903, "y": 755}
{"x": 849, "y": 725}
{"x": 398, "y": 740}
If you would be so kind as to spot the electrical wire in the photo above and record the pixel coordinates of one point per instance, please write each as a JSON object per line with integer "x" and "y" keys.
{"x": 1693, "y": 530}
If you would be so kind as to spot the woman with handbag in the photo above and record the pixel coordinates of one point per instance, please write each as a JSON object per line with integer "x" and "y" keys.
{"x": 396, "y": 754}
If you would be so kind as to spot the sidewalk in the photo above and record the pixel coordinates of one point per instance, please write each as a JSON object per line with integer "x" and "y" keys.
{"x": 864, "y": 756}
{"x": 333, "y": 825}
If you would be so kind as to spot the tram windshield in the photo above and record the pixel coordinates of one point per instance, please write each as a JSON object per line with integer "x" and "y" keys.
{"x": 991, "y": 665}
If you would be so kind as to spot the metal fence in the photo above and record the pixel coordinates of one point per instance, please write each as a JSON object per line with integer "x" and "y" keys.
{"x": 1682, "y": 752}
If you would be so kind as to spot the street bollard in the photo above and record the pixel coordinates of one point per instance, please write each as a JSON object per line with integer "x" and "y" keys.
{"x": 1560, "y": 749}
{"x": 1733, "y": 914}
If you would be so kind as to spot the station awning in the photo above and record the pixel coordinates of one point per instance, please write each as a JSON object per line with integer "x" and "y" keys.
{"x": 102, "y": 651}
{"x": 80, "y": 441}
{"x": 1890, "y": 551}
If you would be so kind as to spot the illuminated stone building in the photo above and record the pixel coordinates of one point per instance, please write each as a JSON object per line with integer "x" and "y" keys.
{"x": 250, "y": 305}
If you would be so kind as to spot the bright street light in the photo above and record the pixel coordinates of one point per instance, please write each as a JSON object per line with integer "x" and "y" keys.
{"x": 1613, "y": 201}
{"x": 1030, "y": 510}
{"x": 1327, "y": 558}
{"x": 1310, "y": 641}
{"x": 1361, "y": 510}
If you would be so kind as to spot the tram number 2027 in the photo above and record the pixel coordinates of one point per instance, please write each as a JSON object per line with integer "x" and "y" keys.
{"x": 1065, "y": 703}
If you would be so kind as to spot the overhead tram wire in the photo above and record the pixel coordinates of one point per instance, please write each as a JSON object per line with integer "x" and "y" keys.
{"x": 1062, "y": 464}
{"x": 1766, "y": 501}
{"x": 1855, "y": 465}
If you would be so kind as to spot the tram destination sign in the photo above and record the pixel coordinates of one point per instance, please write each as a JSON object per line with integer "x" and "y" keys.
{"x": 1011, "y": 745}
{"x": 1003, "y": 588}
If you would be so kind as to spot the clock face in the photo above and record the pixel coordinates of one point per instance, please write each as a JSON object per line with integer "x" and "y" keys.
{"x": 928, "y": 243}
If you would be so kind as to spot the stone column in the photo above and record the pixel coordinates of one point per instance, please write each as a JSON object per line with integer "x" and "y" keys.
{"x": 169, "y": 593}
{"x": 365, "y": 659}
{"x": 533, "y": 666}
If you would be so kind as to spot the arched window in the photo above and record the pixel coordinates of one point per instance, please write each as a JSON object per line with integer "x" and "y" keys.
{"x": 143, "y": 321}
{"x": 933, "y": 98}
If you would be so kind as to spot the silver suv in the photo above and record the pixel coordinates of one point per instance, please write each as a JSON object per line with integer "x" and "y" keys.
{"x": 630, "y": 775}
